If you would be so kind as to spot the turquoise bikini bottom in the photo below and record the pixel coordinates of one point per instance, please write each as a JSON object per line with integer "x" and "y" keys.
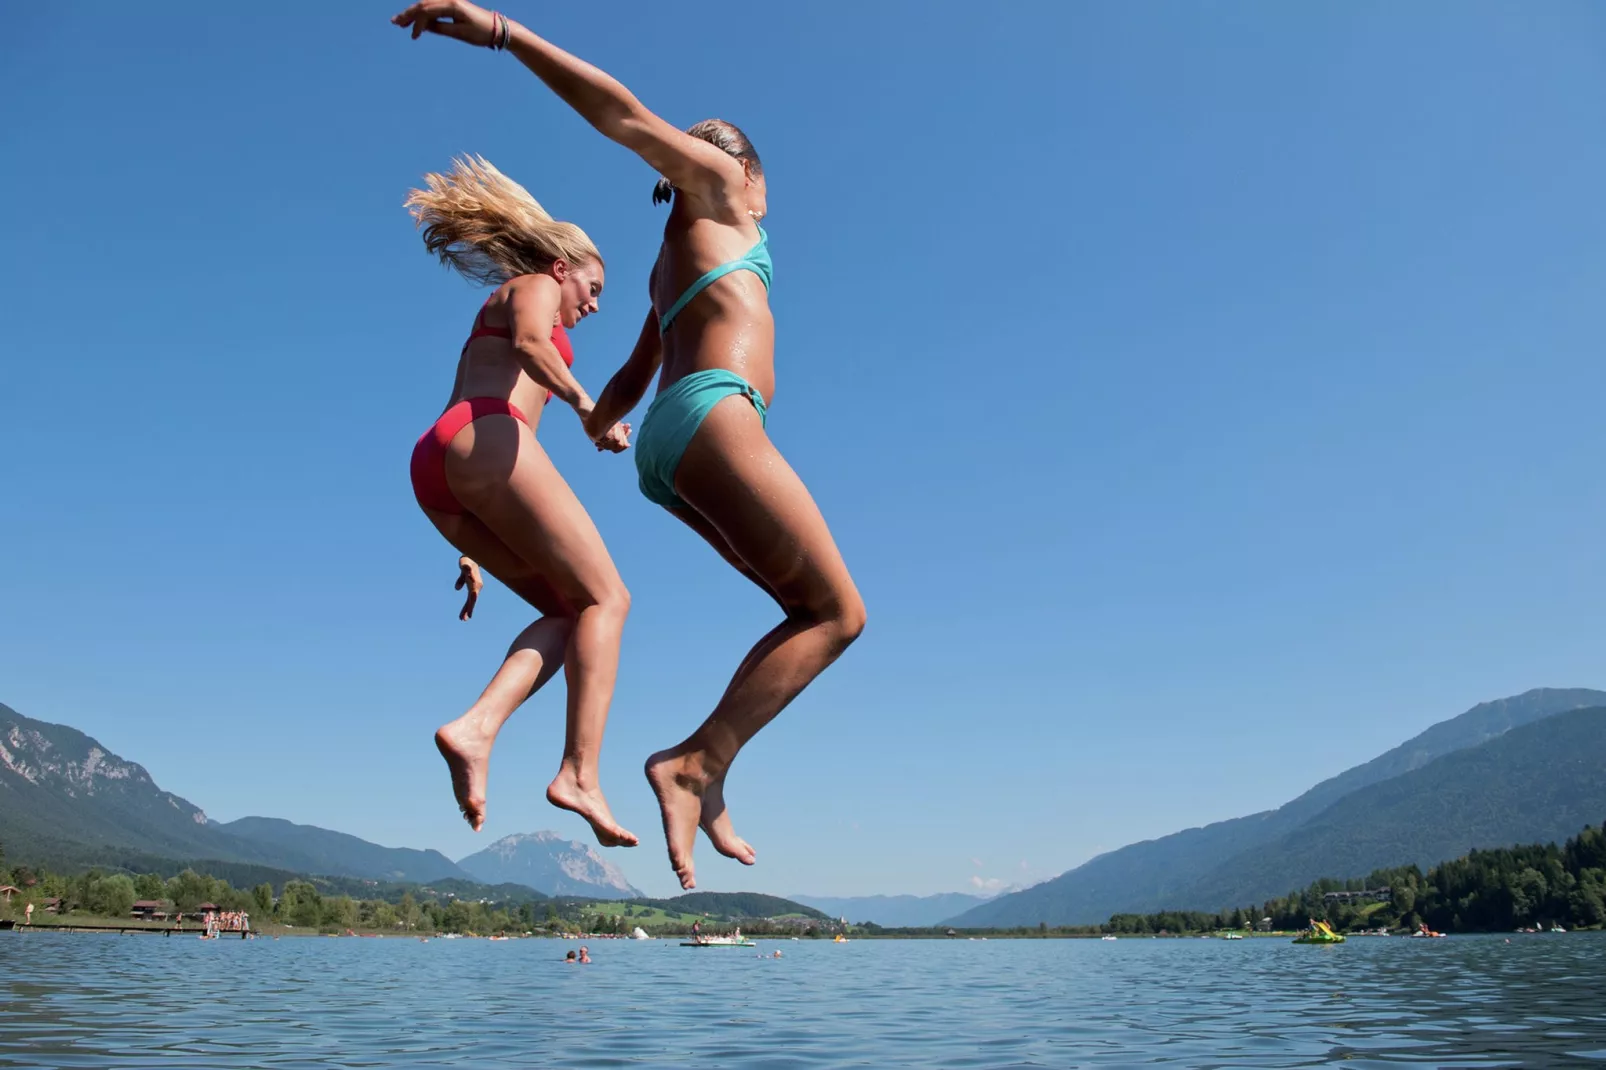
{"x": 673, "y": 418}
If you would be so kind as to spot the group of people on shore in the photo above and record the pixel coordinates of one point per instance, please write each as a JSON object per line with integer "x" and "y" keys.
{"x": 227, "y": 921}
{"x": 480, "y": 475}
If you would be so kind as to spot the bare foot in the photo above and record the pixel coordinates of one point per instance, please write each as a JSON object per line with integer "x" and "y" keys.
{"x": 679, "y": 787}
{"x": 565, "y": 793}
{"x": 467, "y": 751}
{"x": 716, "y": 822}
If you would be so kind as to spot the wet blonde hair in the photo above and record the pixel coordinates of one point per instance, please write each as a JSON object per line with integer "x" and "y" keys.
{"x": 489, "y": 229}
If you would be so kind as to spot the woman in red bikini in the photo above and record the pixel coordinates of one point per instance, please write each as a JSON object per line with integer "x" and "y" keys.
{"x": 483, "y": 480}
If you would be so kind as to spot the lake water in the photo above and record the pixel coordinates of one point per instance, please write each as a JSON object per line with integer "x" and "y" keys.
{"x": 149, "y": 1001}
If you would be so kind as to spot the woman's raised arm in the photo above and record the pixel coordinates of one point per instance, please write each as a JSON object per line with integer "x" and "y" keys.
{"x": 694, "y": 166}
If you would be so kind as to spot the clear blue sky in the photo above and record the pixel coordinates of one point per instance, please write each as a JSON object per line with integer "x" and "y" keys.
{"x": 1207, "y": 398}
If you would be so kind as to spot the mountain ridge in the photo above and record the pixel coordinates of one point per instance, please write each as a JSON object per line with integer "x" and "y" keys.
{"x": 66, "y": 798}
{"x": 1150, "y": 875}
{"x": 347, "y": 855}
{"x": 1538, "y": 783}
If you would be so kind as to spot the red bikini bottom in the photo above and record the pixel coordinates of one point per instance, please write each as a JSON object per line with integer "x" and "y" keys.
{"x": 429, "y": 455}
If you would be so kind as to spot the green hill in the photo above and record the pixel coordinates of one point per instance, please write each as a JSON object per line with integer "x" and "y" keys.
{"x": 324, "y": 851}
{"x": 724, "y": 906}
{"x": 735, "y": 905}
{"x": 1165, "y": 873}
{"x": 1538, "y": 783}
{"x": 894, "y": 911}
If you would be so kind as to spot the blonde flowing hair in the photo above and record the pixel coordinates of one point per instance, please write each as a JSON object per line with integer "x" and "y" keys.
{"x": 489, "y": 228}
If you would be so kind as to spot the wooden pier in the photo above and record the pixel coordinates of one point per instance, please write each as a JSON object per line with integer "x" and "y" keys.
{"x": 93, "y": 927}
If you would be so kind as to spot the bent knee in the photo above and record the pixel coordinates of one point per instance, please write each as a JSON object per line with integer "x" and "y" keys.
{"x": 842, "y": 616}
{"x": 852, "y": 620}
{"x": 611, "y": 598}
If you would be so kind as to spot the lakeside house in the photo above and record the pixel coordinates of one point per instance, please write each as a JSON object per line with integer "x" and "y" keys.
{"x": 148, "y": 910}
{"x": 9, "y": 890}
{"x": 53, "y": 905}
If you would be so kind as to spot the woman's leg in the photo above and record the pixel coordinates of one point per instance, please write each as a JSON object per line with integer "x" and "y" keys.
{"x": 715, "y": 820}
{"x": 735, "y": 479}
{"x": 531, "y": 661}
{"x": 527, "y": 505}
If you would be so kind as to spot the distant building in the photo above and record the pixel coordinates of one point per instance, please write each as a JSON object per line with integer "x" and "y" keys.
{"x": 9, "y": 890}
{"x": 1371, "y": 895}
{"x": 148, "y": 910}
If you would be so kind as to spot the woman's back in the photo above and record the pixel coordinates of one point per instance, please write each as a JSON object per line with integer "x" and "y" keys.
{"x": 489, "y": 367}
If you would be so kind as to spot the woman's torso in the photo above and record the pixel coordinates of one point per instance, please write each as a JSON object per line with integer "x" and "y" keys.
{"x": 728, "y": 325}
{"x": 488, "y": 366}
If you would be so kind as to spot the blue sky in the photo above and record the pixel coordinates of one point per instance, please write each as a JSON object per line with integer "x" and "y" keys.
{"x": 1206, "y": 397}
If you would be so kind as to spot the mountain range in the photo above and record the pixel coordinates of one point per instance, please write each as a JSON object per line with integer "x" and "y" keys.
{"x": 67, "y": 800}
{"x": 1516, "y": 770}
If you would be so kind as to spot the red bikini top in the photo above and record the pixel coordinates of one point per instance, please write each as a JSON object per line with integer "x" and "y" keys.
{"x": 560, "y": 338}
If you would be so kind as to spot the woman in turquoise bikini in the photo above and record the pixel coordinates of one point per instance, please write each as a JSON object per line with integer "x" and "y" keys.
{"x": 701, "y": 451}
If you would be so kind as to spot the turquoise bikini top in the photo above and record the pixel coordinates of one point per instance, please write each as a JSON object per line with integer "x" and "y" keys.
{"x": 757, "y": 260}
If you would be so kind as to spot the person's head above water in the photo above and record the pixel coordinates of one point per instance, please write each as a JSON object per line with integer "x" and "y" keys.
{"x": 729, "y": 139}
{"x": 569, "y": 957}
{"x": 489, "y": 229}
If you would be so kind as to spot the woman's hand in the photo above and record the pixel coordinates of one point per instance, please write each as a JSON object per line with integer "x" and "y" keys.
{"x": 450, "y": 18}
{"x": 468, "y": 575}
{"x": 615, "y": 440}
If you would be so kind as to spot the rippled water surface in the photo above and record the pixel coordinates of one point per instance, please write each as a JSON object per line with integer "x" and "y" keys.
{"x": 150, "y": 1001}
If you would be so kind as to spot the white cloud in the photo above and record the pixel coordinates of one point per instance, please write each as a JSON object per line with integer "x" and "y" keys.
{"x": 986, "y": 884}
{"x": 976, "y": 862}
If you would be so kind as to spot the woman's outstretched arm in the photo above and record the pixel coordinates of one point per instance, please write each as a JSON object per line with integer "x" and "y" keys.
{"x": 692, "y": 165}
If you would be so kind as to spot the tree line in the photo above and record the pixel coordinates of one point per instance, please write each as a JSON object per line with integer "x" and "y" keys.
{"x": 299, "y": 904}
{"x": 304, "y": 905}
